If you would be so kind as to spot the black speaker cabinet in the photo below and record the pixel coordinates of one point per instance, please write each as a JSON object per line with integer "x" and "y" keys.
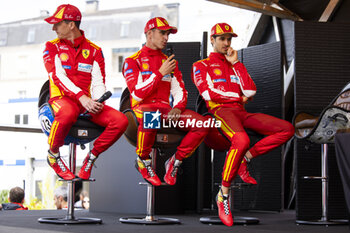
{"x": 182, "y": 196}
{"x": 322, "y": 52}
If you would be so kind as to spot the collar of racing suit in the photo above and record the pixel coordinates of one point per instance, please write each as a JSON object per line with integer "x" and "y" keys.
{"x": 77, "y": 41}
{"x": 151, "y": 52}
{"x": 218, "y": 56}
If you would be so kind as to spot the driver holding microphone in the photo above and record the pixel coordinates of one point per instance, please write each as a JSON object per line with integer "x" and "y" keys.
{"x": 152, "y": 77}
{"x": 226, "y": 86}
{"x": 76, "y": 70}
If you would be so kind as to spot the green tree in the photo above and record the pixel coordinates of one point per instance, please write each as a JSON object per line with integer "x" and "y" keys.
{"x": 4, "y": 196}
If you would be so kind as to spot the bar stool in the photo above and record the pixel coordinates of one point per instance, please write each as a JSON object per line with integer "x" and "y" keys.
{"x": 165, "y": 138}
{"x": 217, "y": 141}
{"x": 82, "y": 132}
{"x": 321, "y": 130}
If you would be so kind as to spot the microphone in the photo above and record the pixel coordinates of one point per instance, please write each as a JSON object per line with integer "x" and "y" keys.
{"x": 103, "y": 98}
{"x": 169, "y": 52}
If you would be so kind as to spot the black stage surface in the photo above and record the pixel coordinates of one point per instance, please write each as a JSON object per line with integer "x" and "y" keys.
{"x": 26, "y": 222}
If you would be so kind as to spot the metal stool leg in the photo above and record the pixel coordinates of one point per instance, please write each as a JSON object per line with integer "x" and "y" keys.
{"x": 70, "y": 219}
{"x": 324, "y": 177}
{"x": 238, "y": 220}
{"x": 150, "y": 219}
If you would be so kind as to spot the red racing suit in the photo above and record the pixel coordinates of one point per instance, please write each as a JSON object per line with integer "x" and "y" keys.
{"x": 150, "y": 91}
{"x": 222, "y": 85}
{"x": 74, "y": 70}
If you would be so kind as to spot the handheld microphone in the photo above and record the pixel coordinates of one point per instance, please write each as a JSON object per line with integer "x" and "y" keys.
{"x": 103, "y": 98}
{"x": 169, "y": 52}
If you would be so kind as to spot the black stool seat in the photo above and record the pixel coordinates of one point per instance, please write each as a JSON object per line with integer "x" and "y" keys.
{"x": 333, "y": 119}
{"x": 83, "y": 131}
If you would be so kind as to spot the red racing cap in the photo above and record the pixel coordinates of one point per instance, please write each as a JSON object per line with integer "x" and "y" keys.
{"x": 159, "y": 23}
{"x": 65, "y": 12}
{"x": 222, "y": 28}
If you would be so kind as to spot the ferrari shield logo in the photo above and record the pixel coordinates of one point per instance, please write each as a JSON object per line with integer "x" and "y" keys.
{"x": 86, "y": 53}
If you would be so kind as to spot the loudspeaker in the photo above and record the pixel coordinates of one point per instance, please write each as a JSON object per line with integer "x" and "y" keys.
{"x": 322, "y": 52}
{"x": 169, "y": 200}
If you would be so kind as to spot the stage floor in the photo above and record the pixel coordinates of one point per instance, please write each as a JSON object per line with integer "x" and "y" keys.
{"x": 26, "y": 222}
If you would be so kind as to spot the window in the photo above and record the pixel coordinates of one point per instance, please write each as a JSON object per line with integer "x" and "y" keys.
{"x": 92, "y": 33}
{"x": 117, "y": 62}
{"x": 117, "y": 90}
{"x": 114, "y": 63}
{"x": 22, "y": 94}
{"x": 120, "y": 63}
{"x": 31, "y": 35}
{"x": 17, "y": 119}
{"x": 3, "y": 36}
{"x": 124, "y": 29}
{"x": 38, "y": 186}
{"x": 23, "y": 66}
{"x": 118, "y": 56}
{"x": 25, "y": 119}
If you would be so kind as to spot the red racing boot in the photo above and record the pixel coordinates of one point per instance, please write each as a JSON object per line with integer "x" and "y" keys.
{"x": 57, "y": 164}
{"x": 145, "y": 168}
{"x": 171, "y": 167}
{"x": 85, "y": 170}
{"x": 224, "y": 209}
{"x": 244, "y": 173}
